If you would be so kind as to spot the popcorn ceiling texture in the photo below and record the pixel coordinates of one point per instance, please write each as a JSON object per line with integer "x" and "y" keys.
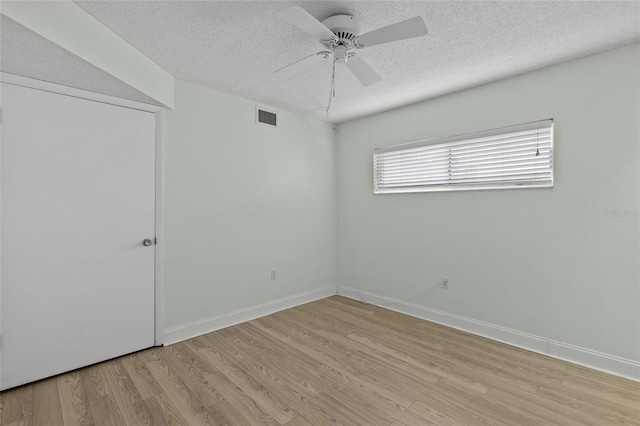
{"x": 234, "y": 46}
{"x": 27, "y": 54}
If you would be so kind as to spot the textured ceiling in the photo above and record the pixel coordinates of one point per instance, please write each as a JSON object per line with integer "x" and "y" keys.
{"x": 234, "y": 46}
{"x": 27, "y": 54}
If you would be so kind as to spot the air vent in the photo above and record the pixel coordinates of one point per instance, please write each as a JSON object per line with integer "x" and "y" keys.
{"x": 266, "y": 118}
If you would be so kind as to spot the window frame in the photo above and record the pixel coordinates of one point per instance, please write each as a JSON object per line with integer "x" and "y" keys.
{"x": 476, "y": 186}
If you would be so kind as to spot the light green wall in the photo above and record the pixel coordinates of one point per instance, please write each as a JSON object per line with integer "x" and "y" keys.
{"x": 542, "y": 261}
{"x": 242, "y": 199}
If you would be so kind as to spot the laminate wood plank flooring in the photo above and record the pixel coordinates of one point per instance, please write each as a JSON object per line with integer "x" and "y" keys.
{"x": 335, "y": 361}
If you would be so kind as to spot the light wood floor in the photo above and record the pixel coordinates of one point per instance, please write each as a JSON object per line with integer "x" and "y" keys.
{"x": 335, "y": 361}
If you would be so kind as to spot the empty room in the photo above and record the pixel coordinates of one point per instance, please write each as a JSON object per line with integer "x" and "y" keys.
{"x": 319, "y": 212}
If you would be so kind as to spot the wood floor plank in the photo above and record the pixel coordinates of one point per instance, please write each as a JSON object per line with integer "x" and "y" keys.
{"x": 311, "y": 343}
{"x": 453, "y": 336}
{"x": 187, "y": 355}
{"x": 114, "y": 410}
{"x": 393, "y": 391}
{"x": 241, "y": 402}
{"x": 551, "y": 411}
{"x": 603, "y": 390}
{"x": 390, "y": 339}
{"x": 316, "y": 321}
{"x": 180, "y": 396}
{"x": 334, "y": 361}
{"x": 47, "y": 408}
{"x": 298, "y": 401}
{"x": 150, "y": 355}
{"x": 595, "y": 407}
{"x": 290, "y": 377}
{"x": 494, "y": 376}
{"x": 369, "y": 323}
{"x": 293, "y": 354}
{"x": 434, "y": 416}
{"x": 270, "y": 402}
{"x": 298, "y": 421}
{"x": 436, "y": 360}
{"x": 17, "y": 405}
{"x": 334, "y": 412}
{"x": 486, "y": 377}
{"x": 473, "y": 407}
{"x": 163, "y": 411}
{"x": 422, "y": 346}
{"x": 75, "y": 407}
{"x": 100, "y": 412}
{"x": 140, "y": 375}
{"x": 376, "y": 409}
{"x": 408, "y": 348}
{"x": 335, "y": 383}
{"x": 94, "y": 383}
{"x": 381, "y": 361}
{"x": 514, "y": 368}
{"x": 429, "y": 366}
{"x": 130, "y": 403}
{"x": 604, "y": 379}
{"x": 188, "y": 366}
{"x": 313, "y": 352}
{"x": 523, "y": 356}
{"x": 225, "y": 414}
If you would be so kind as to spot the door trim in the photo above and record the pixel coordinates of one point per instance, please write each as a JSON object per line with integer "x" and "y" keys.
{"x": 158, "y": 111}
{"x": 159, "y": 240}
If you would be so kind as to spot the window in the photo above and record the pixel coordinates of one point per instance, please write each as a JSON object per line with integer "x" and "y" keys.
{"x": 511, "y": 157}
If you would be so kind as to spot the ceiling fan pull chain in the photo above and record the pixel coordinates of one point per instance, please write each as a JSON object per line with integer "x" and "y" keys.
{"x": 333, "y": 79}
{"x": 332, "y": 89}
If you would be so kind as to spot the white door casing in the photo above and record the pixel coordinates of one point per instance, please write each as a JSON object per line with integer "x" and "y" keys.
{"x": 78, "y": 198}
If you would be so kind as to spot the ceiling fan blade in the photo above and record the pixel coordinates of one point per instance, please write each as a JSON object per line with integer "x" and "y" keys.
{"x": 299, "y": 17}
{"x": 362, "y": 71}
{"x": 410, "y": 28}
{"x": 303, "y": 63}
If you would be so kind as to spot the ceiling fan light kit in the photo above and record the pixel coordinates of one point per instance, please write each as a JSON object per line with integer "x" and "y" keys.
{"x": 340, "y": 36}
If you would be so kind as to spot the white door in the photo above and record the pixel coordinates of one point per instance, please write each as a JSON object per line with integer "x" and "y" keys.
{"x": 78, "y": 195}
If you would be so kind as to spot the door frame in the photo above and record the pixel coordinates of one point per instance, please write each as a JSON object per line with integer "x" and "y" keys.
{"x": 158, "y": 111}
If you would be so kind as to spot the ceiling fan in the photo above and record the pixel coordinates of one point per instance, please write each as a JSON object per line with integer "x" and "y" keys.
{"x": 340, "y": 36}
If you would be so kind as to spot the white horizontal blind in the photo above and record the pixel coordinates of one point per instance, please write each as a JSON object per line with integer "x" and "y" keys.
{"x": 512, "y": 157}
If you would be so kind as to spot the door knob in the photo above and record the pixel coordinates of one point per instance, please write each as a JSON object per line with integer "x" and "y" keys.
{"x": 147, "y": 242}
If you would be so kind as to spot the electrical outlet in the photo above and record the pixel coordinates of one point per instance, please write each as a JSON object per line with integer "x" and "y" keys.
{"x": 274, "y": 274}
{"x": 445, "y": 283}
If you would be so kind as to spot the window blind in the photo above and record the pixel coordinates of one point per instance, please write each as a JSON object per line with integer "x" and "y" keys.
{"x": 512, "y": 157}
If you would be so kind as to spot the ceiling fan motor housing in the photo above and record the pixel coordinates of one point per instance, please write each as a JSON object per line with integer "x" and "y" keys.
{"x": 345, "y": 27}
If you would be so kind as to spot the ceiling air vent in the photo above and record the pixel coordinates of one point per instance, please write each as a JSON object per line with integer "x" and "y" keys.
{"x": 266, "y": 118}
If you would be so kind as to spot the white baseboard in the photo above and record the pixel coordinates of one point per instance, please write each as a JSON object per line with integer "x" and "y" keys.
{"x": 573, "y": 354}
{"x": 198, "y": 328}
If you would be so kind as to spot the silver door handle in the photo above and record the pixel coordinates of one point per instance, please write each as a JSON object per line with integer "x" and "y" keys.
{"x": 147, "y": 242}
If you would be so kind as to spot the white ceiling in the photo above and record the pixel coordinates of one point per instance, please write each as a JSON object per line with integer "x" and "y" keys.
{"x": 234, "y": 46}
